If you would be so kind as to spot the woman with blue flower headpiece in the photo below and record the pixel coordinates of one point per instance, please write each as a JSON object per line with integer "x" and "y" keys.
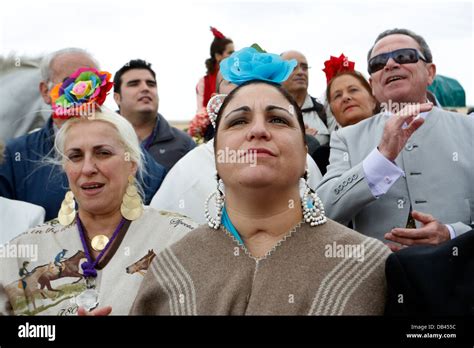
{"x": 184, "y": 184}
{"x": 265, "y": 249}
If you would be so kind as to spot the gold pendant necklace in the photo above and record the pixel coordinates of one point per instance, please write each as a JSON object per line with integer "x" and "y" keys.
{"x": 99, "y": 242}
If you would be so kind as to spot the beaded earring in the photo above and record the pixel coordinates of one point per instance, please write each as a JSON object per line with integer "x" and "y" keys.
{"x": 219, "y": 202}
{"x": 213, "y": 106}
{"x": 313, "y": 211}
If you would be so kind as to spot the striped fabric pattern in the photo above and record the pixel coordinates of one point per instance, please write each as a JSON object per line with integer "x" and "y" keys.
{"x": 177, "y": 283}
{"x": 338, "y": 286}
{"x": 296, "y": 277}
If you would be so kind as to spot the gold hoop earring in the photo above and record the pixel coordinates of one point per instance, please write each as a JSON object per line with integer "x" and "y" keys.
{"x": 67, "y": 213}
{"x": 132, "y": 206}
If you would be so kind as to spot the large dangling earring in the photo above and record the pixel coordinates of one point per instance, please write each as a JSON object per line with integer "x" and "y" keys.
{"x": 67, "y": 213}
{"x": 132, "y": 206}
{"x": 215, "y": 223}
{"x": 313, "y": 211}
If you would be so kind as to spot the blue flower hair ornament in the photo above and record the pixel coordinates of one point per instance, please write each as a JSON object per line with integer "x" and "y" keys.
{"x": 249, "y": 64}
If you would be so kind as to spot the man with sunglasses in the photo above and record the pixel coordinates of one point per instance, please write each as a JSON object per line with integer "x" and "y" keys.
{"x": 405, "y": 174}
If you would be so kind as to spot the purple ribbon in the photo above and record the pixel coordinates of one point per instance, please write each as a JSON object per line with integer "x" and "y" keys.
{"x": 88, "y": 267}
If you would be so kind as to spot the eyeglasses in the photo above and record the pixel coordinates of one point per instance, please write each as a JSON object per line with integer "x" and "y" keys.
{"x": 401, "y": 56}
{"x": 303, "y": 67}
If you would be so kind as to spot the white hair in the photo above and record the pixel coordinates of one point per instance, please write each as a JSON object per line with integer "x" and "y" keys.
{"x": 125, "y": 131}
{"x": 45, "y": 66}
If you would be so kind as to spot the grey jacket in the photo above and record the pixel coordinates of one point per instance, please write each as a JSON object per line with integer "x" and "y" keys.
{"x": 438, "y": 163}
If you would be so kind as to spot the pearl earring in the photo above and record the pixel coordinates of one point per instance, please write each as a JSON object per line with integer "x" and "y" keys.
{"x": 219, "y": 201}
{"x": 313, "y": 211}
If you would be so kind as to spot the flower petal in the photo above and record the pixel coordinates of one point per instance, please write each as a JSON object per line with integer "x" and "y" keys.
{"x": 249, "y": 64}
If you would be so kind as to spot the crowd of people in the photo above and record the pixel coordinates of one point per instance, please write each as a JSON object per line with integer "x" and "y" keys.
{"x": 359, "y": 204}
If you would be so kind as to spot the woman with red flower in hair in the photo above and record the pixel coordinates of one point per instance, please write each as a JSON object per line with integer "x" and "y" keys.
{"x": 348, "y": 98}
{"x": 200, "y": 127}
{"x": 348, "y": 93}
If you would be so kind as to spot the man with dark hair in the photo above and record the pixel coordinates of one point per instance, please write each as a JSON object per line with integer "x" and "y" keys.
{"x": 136, "y": 94}
{"x": 406, "y": 173}
{"x": 133, "y": 64}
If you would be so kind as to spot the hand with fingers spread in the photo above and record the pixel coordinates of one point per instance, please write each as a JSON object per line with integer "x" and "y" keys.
{"x": 433, "y": 232}
{"x": 98, "y": 312}
{"x": 395, "y": 134}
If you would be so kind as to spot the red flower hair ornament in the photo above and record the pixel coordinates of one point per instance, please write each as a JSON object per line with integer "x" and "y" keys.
{"x": 217, "y": 34}
{"x": 334, "y": 66}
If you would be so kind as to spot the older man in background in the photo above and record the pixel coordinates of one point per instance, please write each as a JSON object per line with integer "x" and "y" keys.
{"x": 403, "y": 175}
{"x": 317, "y": 123}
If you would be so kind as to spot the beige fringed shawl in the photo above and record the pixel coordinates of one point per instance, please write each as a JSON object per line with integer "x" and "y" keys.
{"x": 323, "y": 270}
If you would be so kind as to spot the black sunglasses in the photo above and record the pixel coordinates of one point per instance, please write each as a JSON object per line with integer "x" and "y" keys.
{"x": 401, "y": 56}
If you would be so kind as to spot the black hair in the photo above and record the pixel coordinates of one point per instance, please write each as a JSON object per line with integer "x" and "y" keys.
{"x": 133, "y": 64}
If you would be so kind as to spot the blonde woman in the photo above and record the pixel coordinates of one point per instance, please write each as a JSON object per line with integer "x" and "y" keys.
{"x": 99, "y": 248}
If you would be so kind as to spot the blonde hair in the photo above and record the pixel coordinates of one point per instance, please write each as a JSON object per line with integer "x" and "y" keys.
{"x": 124, "y": 129}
